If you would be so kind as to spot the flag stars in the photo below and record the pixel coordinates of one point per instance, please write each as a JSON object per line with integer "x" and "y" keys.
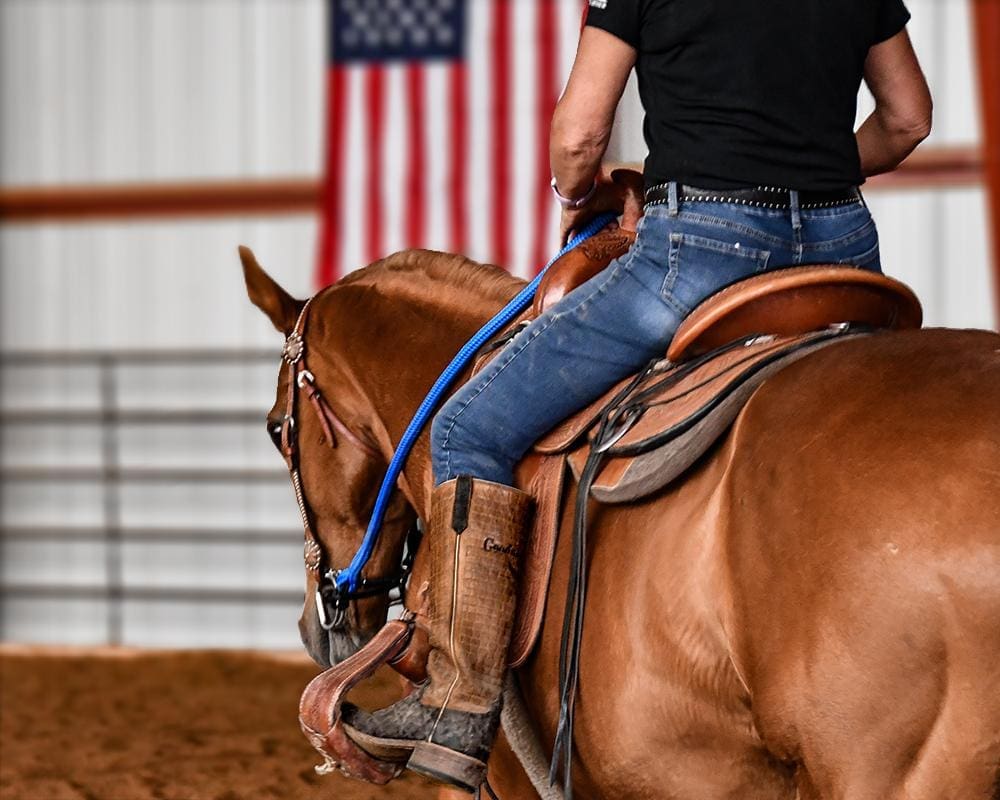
{"x": 394, "y": 36}
{"x": 386, "y": 29}
{"x": 444, "y": 35}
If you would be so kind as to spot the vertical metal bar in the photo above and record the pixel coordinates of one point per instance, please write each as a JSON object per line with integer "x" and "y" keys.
{"x": 986, "y": 30}
{"x": 111, "y": 485}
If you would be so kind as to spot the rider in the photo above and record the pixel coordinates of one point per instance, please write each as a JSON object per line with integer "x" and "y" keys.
{"x": 753, "y": 165}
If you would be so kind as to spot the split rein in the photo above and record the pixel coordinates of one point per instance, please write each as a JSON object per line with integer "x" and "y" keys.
{"x": 331, "y": 600}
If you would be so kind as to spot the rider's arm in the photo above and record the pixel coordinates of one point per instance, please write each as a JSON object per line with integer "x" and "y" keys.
{"x": 581, "y": 124}
{"x": 902, "y": 115}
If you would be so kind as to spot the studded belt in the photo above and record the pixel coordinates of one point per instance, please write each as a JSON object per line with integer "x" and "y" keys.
{"x": 759, "y": 197}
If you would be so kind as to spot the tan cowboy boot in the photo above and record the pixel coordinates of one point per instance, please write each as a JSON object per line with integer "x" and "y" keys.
{"x": 447, "y": 727}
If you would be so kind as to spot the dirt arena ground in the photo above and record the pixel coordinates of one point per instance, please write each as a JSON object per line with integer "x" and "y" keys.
{"x": 112, "y": 725}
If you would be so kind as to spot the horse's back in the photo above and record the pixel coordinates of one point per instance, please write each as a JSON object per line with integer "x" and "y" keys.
{"x": 861, "y": 534}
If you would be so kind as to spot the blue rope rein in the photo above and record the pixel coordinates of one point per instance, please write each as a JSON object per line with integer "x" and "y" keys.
{"x": 350, "y": 576}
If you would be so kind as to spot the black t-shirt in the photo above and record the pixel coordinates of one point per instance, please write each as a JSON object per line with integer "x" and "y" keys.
{"x": 744, "y": 93}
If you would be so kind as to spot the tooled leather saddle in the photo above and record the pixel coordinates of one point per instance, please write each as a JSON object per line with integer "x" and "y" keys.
{"x": 648, "y": 430}
{"x": 642, "y": 435}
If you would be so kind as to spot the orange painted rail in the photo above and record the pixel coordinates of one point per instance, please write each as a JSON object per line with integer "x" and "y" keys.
{"x": 122, "y": 201}
{"x": 927, "y": 167}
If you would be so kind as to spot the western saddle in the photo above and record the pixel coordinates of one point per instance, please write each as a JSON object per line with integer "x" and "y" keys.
{"x": 642, "y": 434}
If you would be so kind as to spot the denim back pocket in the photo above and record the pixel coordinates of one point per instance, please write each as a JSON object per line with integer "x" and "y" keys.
{"x": 701, "y": 266}
{"x": 858, "y": 247}
{"x": 868, "y": 259}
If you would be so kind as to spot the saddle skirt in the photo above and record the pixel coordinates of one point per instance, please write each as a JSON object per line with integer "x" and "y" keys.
{"x": 662, "y": 421}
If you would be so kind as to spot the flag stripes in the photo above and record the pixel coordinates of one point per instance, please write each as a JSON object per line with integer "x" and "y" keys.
{"x": 445, "y": 153}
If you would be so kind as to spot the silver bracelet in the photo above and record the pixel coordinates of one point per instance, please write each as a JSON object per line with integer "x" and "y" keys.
{"x": 580, "y": 202}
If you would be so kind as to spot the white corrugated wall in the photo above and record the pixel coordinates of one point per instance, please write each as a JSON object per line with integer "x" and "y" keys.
{"x": 116, "y": 90}
{"x": 124, "y": 91}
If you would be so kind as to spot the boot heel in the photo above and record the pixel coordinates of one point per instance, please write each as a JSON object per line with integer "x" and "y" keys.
{"x": 448, "y": 766}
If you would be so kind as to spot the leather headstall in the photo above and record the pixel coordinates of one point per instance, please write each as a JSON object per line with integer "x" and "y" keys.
{"x": 331, "y": 600}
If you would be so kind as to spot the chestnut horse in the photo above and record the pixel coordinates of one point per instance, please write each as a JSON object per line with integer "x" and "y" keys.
{"x": 812, "y": 612}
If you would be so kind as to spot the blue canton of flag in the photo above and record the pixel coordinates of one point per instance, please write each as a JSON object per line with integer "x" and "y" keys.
{"x": 398, "y": 30}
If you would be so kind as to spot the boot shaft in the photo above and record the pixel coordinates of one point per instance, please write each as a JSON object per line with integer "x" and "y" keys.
{"x": 475, "y": 540}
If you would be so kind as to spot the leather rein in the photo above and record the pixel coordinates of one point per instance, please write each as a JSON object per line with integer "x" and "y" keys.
{"x": 331, "y": 600}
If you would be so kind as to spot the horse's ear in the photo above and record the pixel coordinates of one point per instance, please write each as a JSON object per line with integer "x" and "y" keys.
{"x": 265, "y": 293}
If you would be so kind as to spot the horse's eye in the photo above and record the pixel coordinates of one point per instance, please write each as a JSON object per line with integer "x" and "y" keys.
{"x": 274, "y": 431}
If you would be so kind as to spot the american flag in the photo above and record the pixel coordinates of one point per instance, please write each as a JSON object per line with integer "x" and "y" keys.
{"x": 437, "y": 129}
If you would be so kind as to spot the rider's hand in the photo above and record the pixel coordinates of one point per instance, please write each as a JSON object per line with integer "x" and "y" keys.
{"x": 620, "y": 193}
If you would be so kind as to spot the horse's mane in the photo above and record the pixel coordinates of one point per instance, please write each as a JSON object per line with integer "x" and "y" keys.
{"x": 435, "y": 271}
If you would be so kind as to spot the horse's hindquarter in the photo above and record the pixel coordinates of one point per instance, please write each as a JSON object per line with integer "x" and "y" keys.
{"x": 661, "y": 711}
{"x": 861, "y": 535}
{"x": 825, "y": 548}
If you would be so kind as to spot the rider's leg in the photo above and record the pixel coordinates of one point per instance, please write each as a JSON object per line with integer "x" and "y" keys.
{"x": 478, "y": 519}
{"x": 615, "y": 323}
{"x": 600, "y": 333}
{"x": 447, "y": 727}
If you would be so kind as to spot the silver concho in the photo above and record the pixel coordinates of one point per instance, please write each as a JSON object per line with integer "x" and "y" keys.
{"x": 312, "y": 555}
{"x": 294, "y": 348}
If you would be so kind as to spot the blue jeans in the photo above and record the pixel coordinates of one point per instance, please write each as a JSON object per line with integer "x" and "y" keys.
{"x": 612, "y": 325}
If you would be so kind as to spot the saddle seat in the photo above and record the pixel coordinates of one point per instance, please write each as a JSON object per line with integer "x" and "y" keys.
{"x": 783, "y": 302}
{"x": 793, "y": 301}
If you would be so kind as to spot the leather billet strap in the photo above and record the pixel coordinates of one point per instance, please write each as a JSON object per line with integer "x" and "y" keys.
{"x": 321, "y": 702}
{"x": 546, "y": 486}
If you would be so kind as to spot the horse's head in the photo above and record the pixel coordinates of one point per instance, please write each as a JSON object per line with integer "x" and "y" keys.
{"x": 322, "y": 425}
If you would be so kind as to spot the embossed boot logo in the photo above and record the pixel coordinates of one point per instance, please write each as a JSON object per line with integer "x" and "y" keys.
{"x": 491, "y": 545}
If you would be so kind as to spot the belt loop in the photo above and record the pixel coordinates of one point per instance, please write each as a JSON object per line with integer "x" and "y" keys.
{"x": 672, "y": 204}
{"x": 861, "y": 197}
{"x": 793, "y": 200}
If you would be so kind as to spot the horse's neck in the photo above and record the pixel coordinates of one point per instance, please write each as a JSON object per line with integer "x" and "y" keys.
{"x": 428, "y": 360}
{"x": 407, "y": 340}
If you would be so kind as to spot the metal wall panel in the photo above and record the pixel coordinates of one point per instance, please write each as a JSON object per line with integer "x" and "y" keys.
{"x": 144, "y": 284}
{"x": 100, "y": 509}
{"x": 118, "y": 90}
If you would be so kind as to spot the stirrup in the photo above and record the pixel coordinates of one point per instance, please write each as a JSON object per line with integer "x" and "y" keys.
{"x": 448, "y": 766}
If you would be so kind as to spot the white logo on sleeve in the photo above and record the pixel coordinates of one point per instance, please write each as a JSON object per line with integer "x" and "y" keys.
{"x": 601, "y": 4}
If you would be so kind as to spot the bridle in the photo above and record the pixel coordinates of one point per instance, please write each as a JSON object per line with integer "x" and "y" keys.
{"x": 331, "y": 600}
